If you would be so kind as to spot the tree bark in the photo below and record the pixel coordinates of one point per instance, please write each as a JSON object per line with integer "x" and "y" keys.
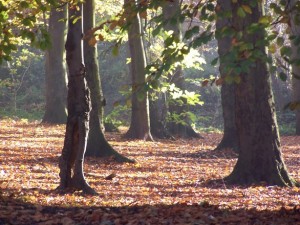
{"x": 170, "y": 11}
{"x": 295, "y": 30}
{"x": 158, "y": 113}
{"x": 260, "y": 158}
{"x": 55, "y": 69}
{"x": 72, "y": 158}
{"x": 229, "y": 139}
{"x": 140, "y": 122}
{"x": 97, "y": 144}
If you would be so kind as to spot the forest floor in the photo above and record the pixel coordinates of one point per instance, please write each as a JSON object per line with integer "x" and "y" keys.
{"x": 173, "y": 182}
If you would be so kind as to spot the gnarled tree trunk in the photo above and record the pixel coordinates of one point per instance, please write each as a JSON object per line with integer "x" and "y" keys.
{"x": 72, "y": 158}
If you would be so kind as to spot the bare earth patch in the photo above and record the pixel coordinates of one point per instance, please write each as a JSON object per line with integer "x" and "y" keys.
{"x": 173, "y": 182}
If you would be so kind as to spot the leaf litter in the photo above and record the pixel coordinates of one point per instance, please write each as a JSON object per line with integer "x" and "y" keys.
{"x": 172, "y": 182}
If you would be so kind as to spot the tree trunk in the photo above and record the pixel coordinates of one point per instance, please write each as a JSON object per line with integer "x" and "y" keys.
{"x": 55, "y": 69}
{"x": 140, "y": 122}
{"x": 260, "y": 158}
{"x": 229, "y": 139}
{"x": 72, "y": 158}
{"x": 171, "y": 9}
{"x": 97, "y": 144}
{"x": 295, "y": 30}
{"x": 158, "y": 114}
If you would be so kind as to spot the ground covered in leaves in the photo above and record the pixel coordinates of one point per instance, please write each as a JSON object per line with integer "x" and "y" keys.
{"x": 173, "y": 182}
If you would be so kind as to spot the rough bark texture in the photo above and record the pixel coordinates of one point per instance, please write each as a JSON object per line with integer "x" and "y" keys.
{"x": 97, "y": 144}
{"x": 55, "y": 69}
{"x": 260, "y": 158}
{"x": 72, "y": 158}
{"x": 140, "y": 121}
{"x": 295, "y": 30}
{"x": 229, "y": 139}
{"x": 170, "y": 11}
{"x": 158, "y": 114}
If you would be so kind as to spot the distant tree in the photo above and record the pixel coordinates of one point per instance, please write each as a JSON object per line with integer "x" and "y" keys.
{"x": 229, "y": 139}
{"x": 79, "y": 105}
{"x": 55, "y": 68}
{"x": 260, "y": 158}
{"x": 171, "y": 11}
{"x": 158, "y": 114}
{"x": 97, "y": 144}
{"x": 294, "y": 7}
{"x": 140, "y": 122}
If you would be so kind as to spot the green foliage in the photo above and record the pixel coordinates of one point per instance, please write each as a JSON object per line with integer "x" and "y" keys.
{"x": 286, "y": 122}
{"x": 30, "y": 115}
{"x": 25, "y": 15}
{"x": 118, "y": 116}
{"x": 165, "y": 52}
{"x": 21, "y": 83}
{"x": 184, "y": 118}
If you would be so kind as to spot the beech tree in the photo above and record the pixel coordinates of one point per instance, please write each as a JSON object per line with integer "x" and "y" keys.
{"x": 55, "y": 68}
{"x": 229, "y": 139}
{"x": 79, "y": 106}
{"x": 294, "y": 7}
{"x": 260, "y": 158}
{"x": 97, "y": 144}
{"x": 171, "y": 11}
{"x": 140, "y": 122}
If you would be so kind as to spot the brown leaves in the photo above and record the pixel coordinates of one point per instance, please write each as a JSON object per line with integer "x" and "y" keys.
{"x": 174, "y": 182}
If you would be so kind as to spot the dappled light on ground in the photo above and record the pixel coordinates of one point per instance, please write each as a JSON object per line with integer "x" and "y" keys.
{"x": 173, "y": 182}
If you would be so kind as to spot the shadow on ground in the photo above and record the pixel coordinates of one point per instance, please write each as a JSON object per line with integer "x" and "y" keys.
{"x": 18, "y": 212}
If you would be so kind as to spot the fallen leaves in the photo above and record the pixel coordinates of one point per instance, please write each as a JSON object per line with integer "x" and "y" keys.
{"x": 173, "y": 182}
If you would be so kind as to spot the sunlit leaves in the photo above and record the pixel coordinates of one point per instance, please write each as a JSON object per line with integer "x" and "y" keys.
{"x": 265, "y": 20}
{"x": 26, "y": 16}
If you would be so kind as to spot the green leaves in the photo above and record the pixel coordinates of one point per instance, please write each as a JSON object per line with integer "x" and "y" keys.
{"x": 203, "y": 38}
{"x": 286, "y": 51}
{"x": 283, "y": 76}
{"x": 190, "y": 33}
{"x": 18, "y": 20}
{"x": 24, "y": 4}
{"x": 241, "y": 13}
{"x": 265, "y": 20}
{"x": 276, "y": 8}
{"x": 247, "y": 9}
{"x": 214, "y": 61}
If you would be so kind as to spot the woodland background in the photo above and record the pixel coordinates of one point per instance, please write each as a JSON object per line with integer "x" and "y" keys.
{"x": 126, "y": 176}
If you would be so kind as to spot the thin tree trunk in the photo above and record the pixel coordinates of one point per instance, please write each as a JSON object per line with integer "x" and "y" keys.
{"x": 97, "y": 144}
{"x": 260, "y": 158}
{"x": 55, "y": 69}
{"x": 171, "y": 10}
{"x": 140, "y": 121}
{"x": 72, "y": 158}
{"x": 229, "y": 139}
